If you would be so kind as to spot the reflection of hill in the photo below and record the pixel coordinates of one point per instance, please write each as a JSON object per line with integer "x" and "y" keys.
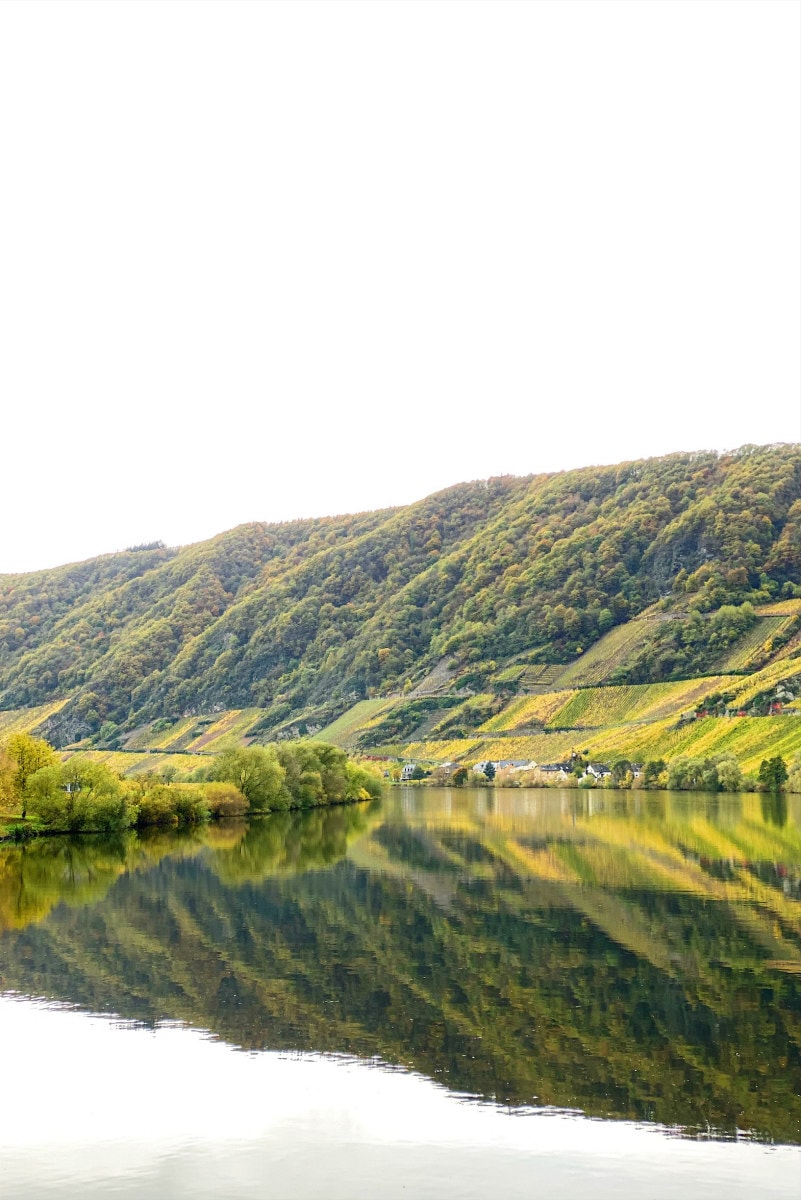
{"x": 616, "y": 961}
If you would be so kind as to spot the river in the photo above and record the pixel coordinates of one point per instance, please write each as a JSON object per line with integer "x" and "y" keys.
{"x": 445, "y": 993}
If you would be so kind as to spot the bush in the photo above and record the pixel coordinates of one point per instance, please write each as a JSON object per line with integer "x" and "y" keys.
{"x": 794, "y": 776}
{"x": 295, "y": 775}
{"x": 224, "y": 800}
{"x": 171, "y": 805}
{"x": 85, "y": 795}
{"x": 363, "y": 783}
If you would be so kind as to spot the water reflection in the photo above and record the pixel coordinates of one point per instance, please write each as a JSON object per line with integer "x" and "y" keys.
{"x": 631, "y": 955}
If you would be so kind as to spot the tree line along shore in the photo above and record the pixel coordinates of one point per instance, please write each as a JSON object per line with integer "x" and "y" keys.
{"x": 714, "y": 773}
{"x": 40, "y": 793}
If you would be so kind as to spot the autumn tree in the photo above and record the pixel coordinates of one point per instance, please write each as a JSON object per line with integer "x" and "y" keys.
{"x": 28, "y": 755}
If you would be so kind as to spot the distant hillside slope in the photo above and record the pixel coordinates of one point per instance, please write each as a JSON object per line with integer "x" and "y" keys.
{"x": 308, "y": 617}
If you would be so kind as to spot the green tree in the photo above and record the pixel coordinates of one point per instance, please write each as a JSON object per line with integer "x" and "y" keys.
{"x": 256, "y": 771}
{"x": 489, "y": 771}
{"x": 620, "y": 770}
{"x": 652, "y": 771}
{"x": 78, "y": 795}
{"x": 773, "y": 773}
{"x": 716, "y": 774}
{"x": 730, "y": 775}
{"x": 605, "y": 620}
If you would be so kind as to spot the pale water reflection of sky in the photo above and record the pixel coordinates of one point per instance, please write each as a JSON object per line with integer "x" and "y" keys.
{"x": 90, "y": 1107}
{"x": 263, "y": 261}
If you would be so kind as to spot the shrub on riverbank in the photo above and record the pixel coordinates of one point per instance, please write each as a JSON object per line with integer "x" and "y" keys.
{"x": 718, "y": 774}
{"x": 224, "y": 800}
{"x": 794, "y": 781}
{"x": 82, "y": 795}
{"x": 172, "y": 805}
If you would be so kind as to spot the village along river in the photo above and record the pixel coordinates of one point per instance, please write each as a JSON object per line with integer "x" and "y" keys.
{"x": 441, "y": 994}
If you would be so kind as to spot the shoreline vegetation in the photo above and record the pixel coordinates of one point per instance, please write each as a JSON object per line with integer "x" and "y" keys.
{"x": 719, "y": 773}
{"x": 40, "y": 794}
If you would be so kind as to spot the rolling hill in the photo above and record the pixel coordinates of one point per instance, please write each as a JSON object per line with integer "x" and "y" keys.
{"x": 607, "y": 598}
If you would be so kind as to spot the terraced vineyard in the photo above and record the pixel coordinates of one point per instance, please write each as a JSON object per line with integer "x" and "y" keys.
{"x": 558, "y": 709}
{"x": 749, "y": 739}
{"x": 27, "y": 720}
{"x": 541, "y": 747}
{"x": 754, "y": 644}
{"x": 592, "y": 708}
{"x": 231, "y": 727}
{"x": 780, "y": 608}
{"x": 762, "y": 681}
{"x": 638, "y": 721}
{"x": 542, "y": 679}
{"x": 609, "y": 653}
{"x": 138, "y": 762}
{"x": 527, "y": 710}
{"x": 174, "y": 736}
{"x": 345, "y": 729}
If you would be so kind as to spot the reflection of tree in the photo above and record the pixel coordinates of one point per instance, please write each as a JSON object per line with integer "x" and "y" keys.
{"x": 36, "y": 876}
{"x": 291, "y": 842}
{"x": 584, "y": 951}
{"x": 774, "y": 807}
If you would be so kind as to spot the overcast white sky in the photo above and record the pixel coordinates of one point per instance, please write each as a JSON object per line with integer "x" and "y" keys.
{"x": 260, "y": 261}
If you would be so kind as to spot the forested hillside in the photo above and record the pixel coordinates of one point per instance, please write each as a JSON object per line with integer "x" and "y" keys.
{"x": 509, "y": 575}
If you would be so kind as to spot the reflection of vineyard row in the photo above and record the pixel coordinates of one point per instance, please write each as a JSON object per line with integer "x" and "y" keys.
{"x": 619, "y": 960}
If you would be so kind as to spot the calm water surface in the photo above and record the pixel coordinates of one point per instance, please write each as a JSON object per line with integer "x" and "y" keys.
{"x": 444, "y": 994}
